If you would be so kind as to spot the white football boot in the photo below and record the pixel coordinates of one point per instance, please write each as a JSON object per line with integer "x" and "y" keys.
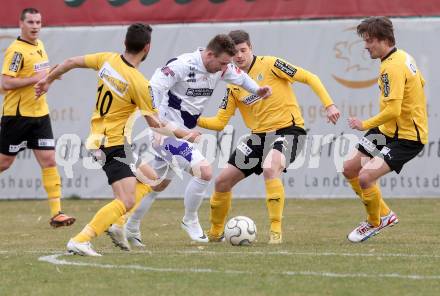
{"x": 134, "y": 238}
{"x": 83, "y": 249}
{"x": 389, "y": 220}
{"x": 363, "y": 232}
{"x": 117, "y": 234}
{"x": 195, "y": 231}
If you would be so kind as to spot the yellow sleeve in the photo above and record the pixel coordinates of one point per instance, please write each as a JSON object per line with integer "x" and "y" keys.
{"x": 12, "y": 62}
{"x": 96, "y": 60}
{"x": 392, "y": 85}
{"x": 143, "y": 98}
{"x": 392, "y": 110}
{"x": 291, "y": 73}
{"x": 224, "y": 114}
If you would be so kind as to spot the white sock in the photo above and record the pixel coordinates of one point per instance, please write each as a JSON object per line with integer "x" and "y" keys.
{"x": 193, "y": 199}
{"x": 134, "y": 221}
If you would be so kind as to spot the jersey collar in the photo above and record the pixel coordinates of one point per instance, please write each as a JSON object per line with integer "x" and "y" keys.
{"x": 390, "y": 53}
{"x": 19, "y": 39}
{"x": 126, "y": 62}
{"x": 252, "y": 64}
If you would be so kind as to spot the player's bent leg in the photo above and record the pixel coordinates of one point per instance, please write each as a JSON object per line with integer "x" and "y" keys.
{"x": 117, "y": 230}
{"x": 372, "y": 197}
{"x": 221, "y": 201}
{"x": 52, "y": 184}
{"x": 195, "y": 190}
{"x": 6, "y": 161}
{"x": 368, "y": 177}
{"x": 123, "y": 190}
{"x": 164, "y": 175}
{"x": 273, "y": 165}
{"x": 352, "y": 167}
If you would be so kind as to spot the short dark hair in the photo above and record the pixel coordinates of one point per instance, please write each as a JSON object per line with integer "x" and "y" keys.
{"x": 222, "y": 43}
{"x": 379, "y": 27}
{"x": 28, "y": 10}
{"x": 138, "y": 35}
{"x": 240, "y": 36}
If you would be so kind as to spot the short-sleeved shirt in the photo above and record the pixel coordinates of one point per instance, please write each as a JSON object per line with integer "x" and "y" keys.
{"x": 23, "y": 59}
{"x": 121, "y": 90}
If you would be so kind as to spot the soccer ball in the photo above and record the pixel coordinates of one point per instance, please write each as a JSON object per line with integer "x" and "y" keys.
{"x": 240, "y": 231}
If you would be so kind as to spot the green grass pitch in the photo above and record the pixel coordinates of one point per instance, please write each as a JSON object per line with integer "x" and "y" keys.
{"x": 315, "y": 258}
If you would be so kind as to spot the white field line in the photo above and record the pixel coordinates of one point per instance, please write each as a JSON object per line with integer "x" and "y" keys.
{"x": 53, "y": 259}
{"x": 311, "y": 254}
{"x": 243, "y": 253}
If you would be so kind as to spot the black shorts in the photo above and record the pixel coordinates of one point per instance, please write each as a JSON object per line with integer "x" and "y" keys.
{"x": 18, "y": 133}
{"x": 250, "y": 153}
{"x": 395, "y": 152}
{"x": 116, "y": 164}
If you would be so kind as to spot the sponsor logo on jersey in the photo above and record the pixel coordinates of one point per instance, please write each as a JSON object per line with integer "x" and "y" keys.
{"x": 167, "y": 71}
{"x": 191, "y": 77}
{"x": 224, "y": 102}
{"x": 17, "y": 58}
{"x": 40, "y": 52}
{"x": 285, "y": 67}
{"x": 199, "y": 92}
{"x": 260, "y": 77}
{"x": 41, "y": 66}
{"x": 113, "y": 79}
{"x": 249, "y": 100}
{"x": 386, "y": 85}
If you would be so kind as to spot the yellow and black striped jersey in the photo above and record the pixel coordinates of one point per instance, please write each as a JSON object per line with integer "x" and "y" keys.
{"x": 23, "y": 59}
{"x": 279, "y": 110}
{"x": 121, "y": 90}
{"x": 403, "y": 112}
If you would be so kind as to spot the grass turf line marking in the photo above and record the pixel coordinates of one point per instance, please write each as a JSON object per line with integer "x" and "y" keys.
{"x": 279, "y": 253}
{"x": 287, "y": 253}
{"x": 53, "y": 259}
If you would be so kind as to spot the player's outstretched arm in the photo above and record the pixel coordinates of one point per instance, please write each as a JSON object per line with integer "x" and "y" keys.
{"x": 319, "y": 89}
{"x": 168, "y": 129}
{"x": 43, "y": 85}
{"x": 11, "y": 83}
{"x": 217, "y": 122}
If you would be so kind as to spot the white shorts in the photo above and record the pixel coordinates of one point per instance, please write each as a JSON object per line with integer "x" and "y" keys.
{"x": 173, "y": 154}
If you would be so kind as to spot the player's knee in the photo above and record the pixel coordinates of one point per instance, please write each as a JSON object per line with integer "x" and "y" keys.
{"x": 222, "y": 184}
{"x": 4, "y": 165}
{"x": 365, "y": 179}
{"x": 48, "y": 161}
{"x": 270, "y": 173}
{"x": 349, "y": 171}
{"x": 206, "y": 173}
{"x": 128, "y": 202}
